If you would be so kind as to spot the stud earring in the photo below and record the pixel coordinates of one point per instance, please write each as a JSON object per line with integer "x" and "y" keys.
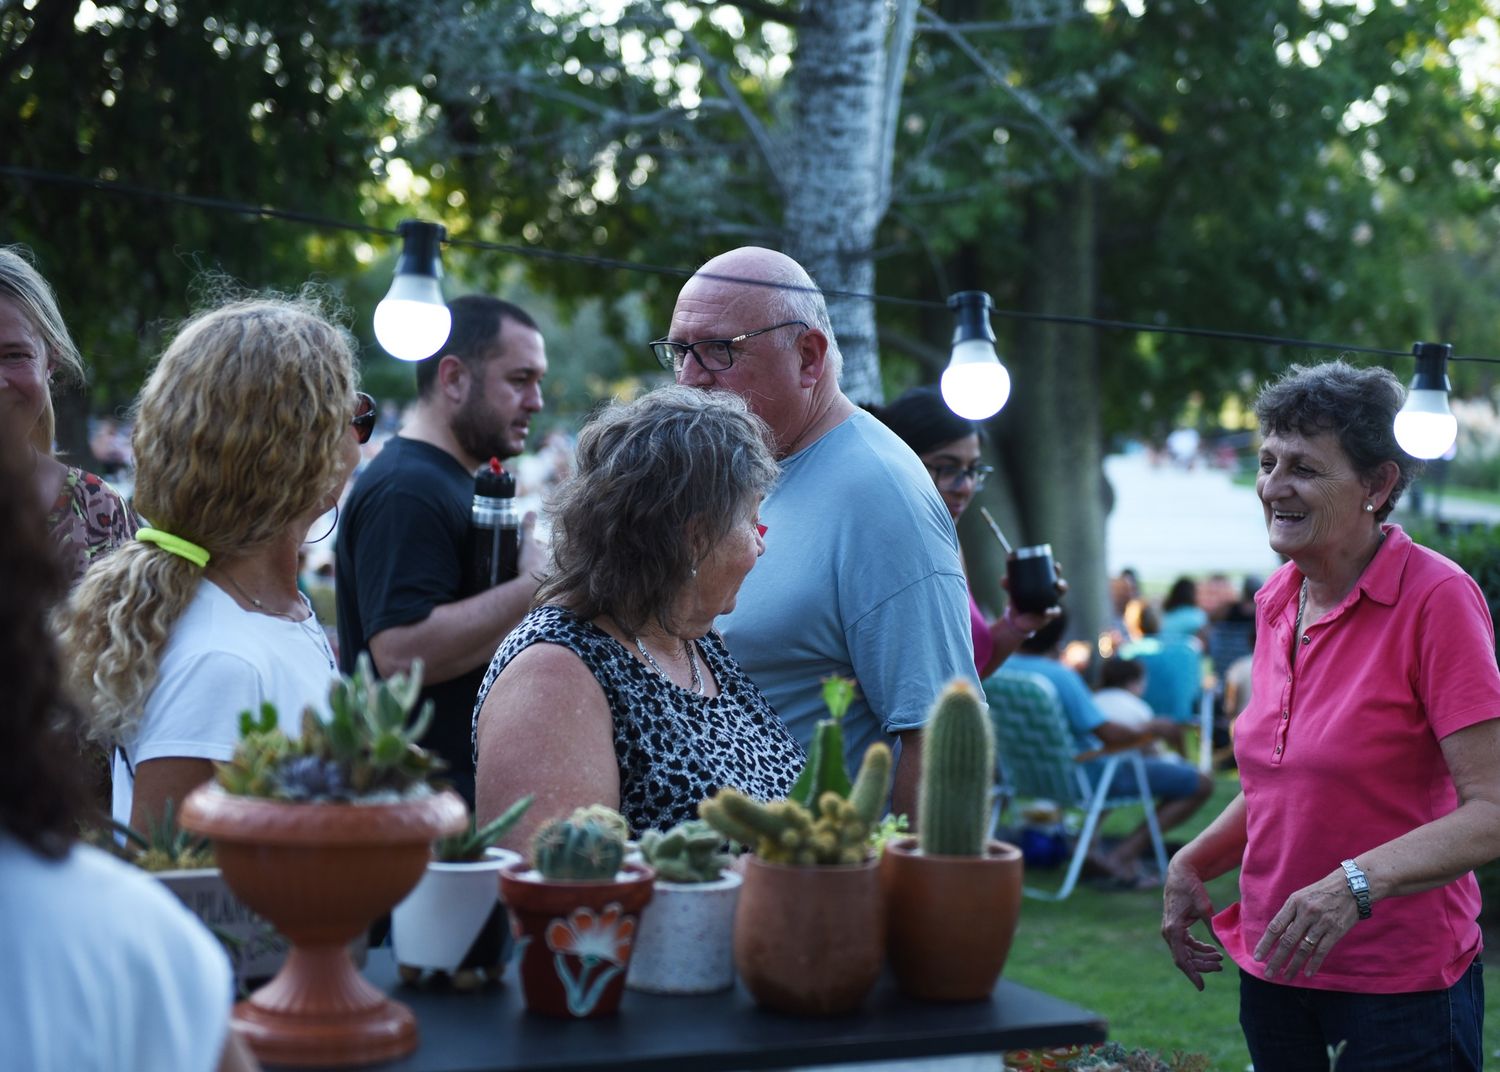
{"x": 1369, "y": 508}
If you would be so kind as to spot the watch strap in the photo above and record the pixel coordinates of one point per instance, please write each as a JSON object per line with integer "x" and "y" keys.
{"x": 1359, "y": 886}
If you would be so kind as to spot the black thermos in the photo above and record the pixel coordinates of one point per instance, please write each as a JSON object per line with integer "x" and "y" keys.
{"x": 496, "y": 528}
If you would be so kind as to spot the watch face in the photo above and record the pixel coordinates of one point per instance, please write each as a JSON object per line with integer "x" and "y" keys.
{"x": 1358, "y": 882}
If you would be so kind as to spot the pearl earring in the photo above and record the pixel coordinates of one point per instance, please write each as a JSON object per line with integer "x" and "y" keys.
{"x": 1369, "y": 508}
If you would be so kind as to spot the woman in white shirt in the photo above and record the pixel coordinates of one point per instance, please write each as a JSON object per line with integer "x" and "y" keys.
{"x": 105, "y": 971}
{"x": 245, "y": 434}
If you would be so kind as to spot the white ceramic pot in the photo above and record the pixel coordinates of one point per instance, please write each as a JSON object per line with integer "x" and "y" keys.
{"x": 686, "y": 940}
{"x": 440, "y": 920}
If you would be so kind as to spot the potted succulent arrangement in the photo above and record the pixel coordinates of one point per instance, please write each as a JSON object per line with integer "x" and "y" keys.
{"x": 809, "y": 935}
{"x": 452, "y": 927}
{"x": 953, "y": 894}
{"x": 685, "y": 944}
{"x": 320, "y": 835}
{"x": 574, "y": 913}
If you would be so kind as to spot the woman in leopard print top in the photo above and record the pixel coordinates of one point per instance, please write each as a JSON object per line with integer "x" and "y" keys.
{"x": 615, "y": 690}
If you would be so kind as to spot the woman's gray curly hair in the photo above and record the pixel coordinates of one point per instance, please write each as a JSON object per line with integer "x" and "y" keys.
{"x": 658, "y": 483}
{"x": 1358, "y": 405}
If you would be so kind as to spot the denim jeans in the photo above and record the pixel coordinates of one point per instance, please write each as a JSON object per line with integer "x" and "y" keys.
{"x": 1289, "y": 1028}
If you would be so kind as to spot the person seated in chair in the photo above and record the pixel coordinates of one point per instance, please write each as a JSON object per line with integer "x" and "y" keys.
{"x": 1179, "y": 789}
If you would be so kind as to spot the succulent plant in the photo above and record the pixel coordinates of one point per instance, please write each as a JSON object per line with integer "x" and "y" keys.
{"x": 578, "y": 850}
{"x": 689, "y": 852}
{"x": 165, "y": 846}
{"x": 470, "y": 845}
{"x": 958, "y": 770}
{"x": 787, "y": 832}
{"x": 825, "y": 771}
{"x": 364, "y": 747}
{"x": 605, "y": 816}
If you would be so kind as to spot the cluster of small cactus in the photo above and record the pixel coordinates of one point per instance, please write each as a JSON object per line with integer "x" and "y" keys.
{"x": 588, "y": 846}
{"x": 365, "y": 746}
{"x": 958, "y": 771}
{"x": 787, "y": 832}
{"x": 689, "y": 852}
{"x": 165, "y": 846}
{"x": 470, "y": 845}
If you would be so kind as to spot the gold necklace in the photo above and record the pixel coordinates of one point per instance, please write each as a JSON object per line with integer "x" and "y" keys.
{"x": 257, "y": 604}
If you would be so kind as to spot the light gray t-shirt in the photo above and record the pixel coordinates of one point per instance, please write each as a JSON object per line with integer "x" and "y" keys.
{"x": 861, "y": 578}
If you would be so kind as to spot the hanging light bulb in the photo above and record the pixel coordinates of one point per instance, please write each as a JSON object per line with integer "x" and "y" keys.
{"x": 411, "y": 321}
{"x": 1426, "y": 427}
{"x": 975, "y": 385}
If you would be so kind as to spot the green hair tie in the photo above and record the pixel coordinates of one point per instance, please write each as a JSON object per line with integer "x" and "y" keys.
{"x": 175, "y": 545}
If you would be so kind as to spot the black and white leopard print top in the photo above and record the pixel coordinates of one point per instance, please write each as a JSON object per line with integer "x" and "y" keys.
{"x": 674, "y": 747}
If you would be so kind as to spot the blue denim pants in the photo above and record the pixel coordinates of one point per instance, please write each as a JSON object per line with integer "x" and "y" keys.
{"x": 1289, "y": 1028}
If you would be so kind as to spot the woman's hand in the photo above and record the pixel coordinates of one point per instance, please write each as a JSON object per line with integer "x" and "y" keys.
{"x": 1185, "y": 901}
{"x": 1309, "y": 925}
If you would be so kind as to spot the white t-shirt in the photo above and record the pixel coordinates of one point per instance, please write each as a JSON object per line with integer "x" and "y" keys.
{"x": 105, "y": 971}
{"x": 1124, "y": 707}
{"x": 221, "y": 660}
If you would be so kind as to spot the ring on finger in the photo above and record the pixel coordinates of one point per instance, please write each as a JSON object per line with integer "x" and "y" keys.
{"x": 1309, "y": 939}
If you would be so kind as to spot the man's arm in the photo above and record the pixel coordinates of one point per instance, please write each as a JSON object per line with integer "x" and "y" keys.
{"x": 904, "y": 790}
{"x": 458, "y": 637}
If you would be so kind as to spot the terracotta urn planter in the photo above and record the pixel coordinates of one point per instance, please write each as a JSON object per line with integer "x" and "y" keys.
{"x": 574, "y": 938}
{"x": 453, "y": 922}
{"x": 950, "y": 918}
{"x": 810, "y": 940}
{"x": 685, "y": 944}
{"x": 320, "y": 873}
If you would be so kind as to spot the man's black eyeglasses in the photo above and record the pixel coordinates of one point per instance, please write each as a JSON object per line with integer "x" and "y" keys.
{"x": 712, "y": 355}
{"x": 948, "y": 477}
{"x": 364, "y": 416}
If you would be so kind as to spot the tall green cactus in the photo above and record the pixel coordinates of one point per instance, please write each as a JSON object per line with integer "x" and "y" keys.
{"x": 786, "y": 832}
{"x": 958, "y": 769}
{"x": 573, "y": 850}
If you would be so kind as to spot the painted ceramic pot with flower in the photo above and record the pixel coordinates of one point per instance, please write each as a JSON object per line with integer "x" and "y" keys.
{"x": 574, "y": 912}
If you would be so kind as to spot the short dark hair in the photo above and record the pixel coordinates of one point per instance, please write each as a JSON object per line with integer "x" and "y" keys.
{"x": 658, "y": 482}
{"x": 477, "y": 319}
{"x": 1047, "y": 637}
{"x": 923, "y": 420}
{"x": 1358, "y": 405}
{"x": 1119, "y": 672}
{"x": 43, "y": 791}
{"x": 1183, "y": 593}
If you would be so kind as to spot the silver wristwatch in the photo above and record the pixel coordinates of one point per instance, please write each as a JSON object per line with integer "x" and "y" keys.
{"x": 1359, "y": 886}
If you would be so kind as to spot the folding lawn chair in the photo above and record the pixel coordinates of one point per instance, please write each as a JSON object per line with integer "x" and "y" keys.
{"x": 1033, "y": 739}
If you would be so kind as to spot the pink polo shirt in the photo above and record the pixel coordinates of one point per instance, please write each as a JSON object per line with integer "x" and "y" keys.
{"x": 1338, "y": 753}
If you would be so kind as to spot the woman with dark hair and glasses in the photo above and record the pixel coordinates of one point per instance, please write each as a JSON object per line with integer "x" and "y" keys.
{"x": 245, "y": 435}
{"x": 949, "y": 446}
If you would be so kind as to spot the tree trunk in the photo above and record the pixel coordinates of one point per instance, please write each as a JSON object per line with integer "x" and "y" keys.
{"x": 832, "y": 176}
{"x": 1050, "y": 441}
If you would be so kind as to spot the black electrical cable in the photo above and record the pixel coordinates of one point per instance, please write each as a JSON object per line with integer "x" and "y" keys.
{"x": 243, "y": 208}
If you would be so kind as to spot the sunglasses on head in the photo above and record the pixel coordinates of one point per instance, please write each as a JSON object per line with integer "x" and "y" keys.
{"x": 364, "y": 416}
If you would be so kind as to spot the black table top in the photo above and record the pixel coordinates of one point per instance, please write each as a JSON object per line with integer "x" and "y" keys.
{"x": 490, "y": 1031}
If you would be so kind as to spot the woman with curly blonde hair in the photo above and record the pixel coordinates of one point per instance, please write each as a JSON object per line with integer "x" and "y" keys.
{"x": 245, "y": 433}
{"x": 86, "y": 518}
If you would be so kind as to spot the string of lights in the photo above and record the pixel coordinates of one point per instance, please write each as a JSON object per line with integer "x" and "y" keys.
{"x": 412, "y": 321}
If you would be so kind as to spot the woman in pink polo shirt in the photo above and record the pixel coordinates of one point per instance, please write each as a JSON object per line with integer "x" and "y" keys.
{"x": 1369, "y": 758}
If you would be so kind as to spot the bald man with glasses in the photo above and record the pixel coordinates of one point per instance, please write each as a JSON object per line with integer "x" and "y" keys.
{"x": 861, "y": 575}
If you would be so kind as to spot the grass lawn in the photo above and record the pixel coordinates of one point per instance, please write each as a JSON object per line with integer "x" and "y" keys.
{"x": 1104, "y": 951}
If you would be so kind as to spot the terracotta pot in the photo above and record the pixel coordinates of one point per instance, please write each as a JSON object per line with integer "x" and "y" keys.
{"x": 686, "y": 941}
{"x": 256, "y": 951}
{"x": 453, "y": 922}
{"x": 951, "y": 918}
{"x": 810, "y": 940}
{"x": 574, "y": 939}
{"x": 321, "y": 873}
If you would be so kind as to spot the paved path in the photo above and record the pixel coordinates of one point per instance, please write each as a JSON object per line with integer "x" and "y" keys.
{"x": 1169, "y": 521}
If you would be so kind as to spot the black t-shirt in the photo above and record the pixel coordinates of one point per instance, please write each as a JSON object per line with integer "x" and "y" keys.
{"x": 402, "y": 550}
